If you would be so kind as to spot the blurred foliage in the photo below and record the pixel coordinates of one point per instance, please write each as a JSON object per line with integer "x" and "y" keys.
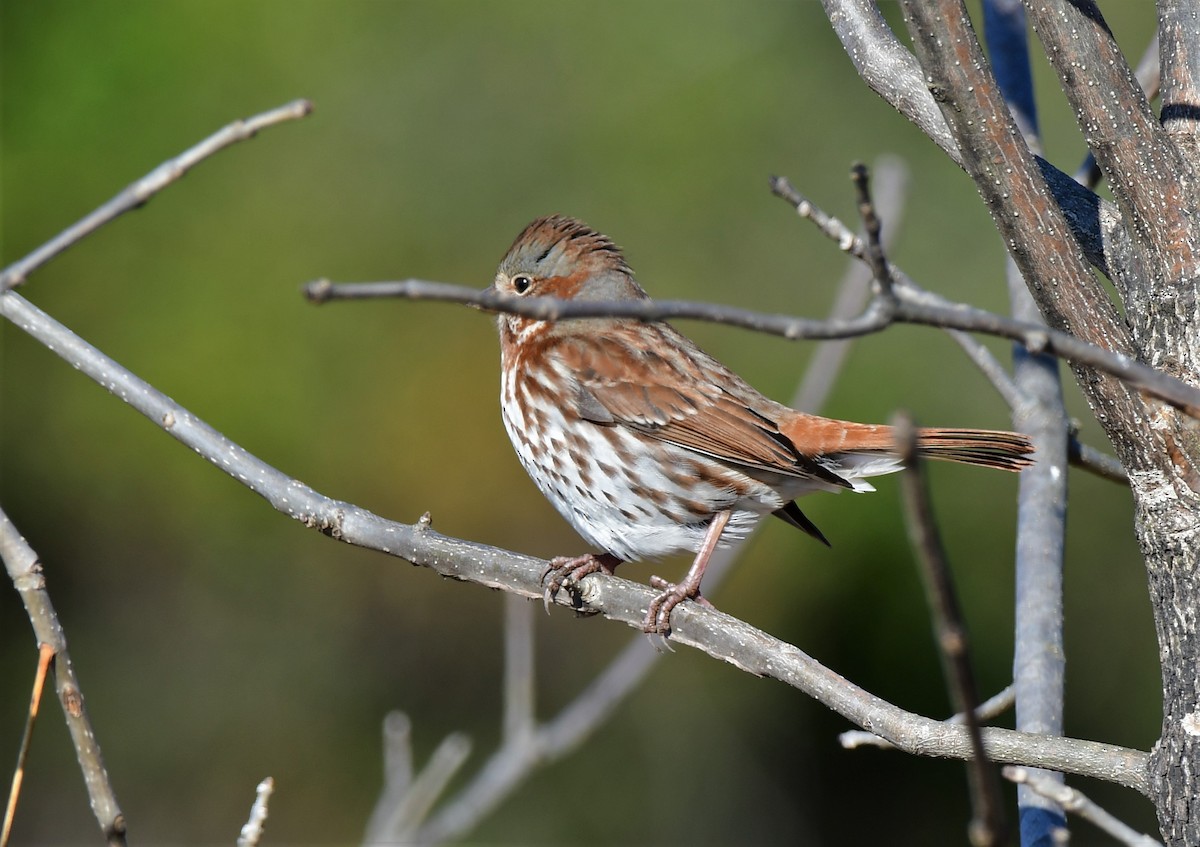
{"x": 218, "y": 642}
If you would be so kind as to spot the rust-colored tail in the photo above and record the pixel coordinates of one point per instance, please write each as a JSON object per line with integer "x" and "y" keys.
{"x": 816, "y": 436}
{"x": 1006, "y": 451}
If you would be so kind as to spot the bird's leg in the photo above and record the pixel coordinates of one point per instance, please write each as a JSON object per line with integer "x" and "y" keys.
{"x": 658, "y": 615}
{"x": 568, "y": 570}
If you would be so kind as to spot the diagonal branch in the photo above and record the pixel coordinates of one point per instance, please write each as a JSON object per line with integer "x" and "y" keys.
{"x": 991, "y": 708}
{"x": 1145, "y": 171}
{"x": 1078, "y": 803}
{"x": 893, "y": 73}
{"x": 136, "y": 194}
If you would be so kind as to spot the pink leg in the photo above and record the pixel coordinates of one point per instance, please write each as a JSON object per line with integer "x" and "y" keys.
{"x": 568, "y": 570}
{"x": 658, "y": 616}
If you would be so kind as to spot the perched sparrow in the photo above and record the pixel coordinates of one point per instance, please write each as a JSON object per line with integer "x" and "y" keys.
{"x": 649, "y": 446}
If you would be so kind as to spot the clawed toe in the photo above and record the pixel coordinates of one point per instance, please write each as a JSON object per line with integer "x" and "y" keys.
{"x": 658, "y": 614}
{"x": 566, "y": 571}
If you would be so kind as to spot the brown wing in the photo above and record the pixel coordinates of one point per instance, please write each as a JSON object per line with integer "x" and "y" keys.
{"x": 650, "y": 378}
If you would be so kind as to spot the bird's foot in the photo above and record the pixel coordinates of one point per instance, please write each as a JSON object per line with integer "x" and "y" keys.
{"x": 566, "y": 571}
{"x": 658, "y": 615}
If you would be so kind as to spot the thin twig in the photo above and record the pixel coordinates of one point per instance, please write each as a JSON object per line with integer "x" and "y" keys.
{"x": 1078, "y": 803}
{"x": 25, "y": 571}
{"x": 989, "y": 366}
{"x": 45, "y": 657}
{"x": 253, "y": 830}
{"x": 988, "y": 827}
{"x": 137, "y": 193}
{"x": 552, "y": 308}
{"x": 910, "y": 306}
{"x": 854, "y": 290}
{"x": 397, "y": 775}
{"x": 1091, "y": 459}
{"x": 876, "y": 260}
{"x": 991, "y": 708}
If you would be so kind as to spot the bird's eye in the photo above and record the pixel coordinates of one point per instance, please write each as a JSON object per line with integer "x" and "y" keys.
{"x": 521, "y": 283}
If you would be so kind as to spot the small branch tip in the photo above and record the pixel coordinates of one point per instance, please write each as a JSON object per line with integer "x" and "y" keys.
{"x": 318, "y": 291}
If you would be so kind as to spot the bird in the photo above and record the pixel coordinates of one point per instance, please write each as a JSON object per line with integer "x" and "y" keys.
{"x": 647, "y": 445}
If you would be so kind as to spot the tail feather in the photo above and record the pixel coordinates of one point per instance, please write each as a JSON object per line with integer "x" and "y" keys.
{"x": 816, "y": 436}
{"x": 1007, "y": 451}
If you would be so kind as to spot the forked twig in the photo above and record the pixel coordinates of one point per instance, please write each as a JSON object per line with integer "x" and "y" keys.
{"x": 991, "y": 708}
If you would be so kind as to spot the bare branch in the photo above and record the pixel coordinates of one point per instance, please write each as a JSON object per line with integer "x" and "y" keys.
{"x": 26, "y": 574}
{"x": 397, "y": 774}
{"x": 890, "y": 70}
{"x": 989, "y": 366}
{"x": 136, "y": 194}
{"x": 1143, "y": 168}
{"x": 1180, "y": 51}
{"x": 992, "y": 707}
{"x": 398, "y": 823}
{"x": 1149, "y": 78}
{"x": 911, "y": 305}
{"x": 1091, "y": 459}
{"x": 1076, "y": 802}
{"x": 551, "y": 308}
{"x": 988, "y": 827}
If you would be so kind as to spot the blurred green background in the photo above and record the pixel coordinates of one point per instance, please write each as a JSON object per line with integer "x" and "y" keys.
{"x": 218, "y": 642}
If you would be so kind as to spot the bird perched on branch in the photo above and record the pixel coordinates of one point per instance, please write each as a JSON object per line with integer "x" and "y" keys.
{"x": 647, "y": 445}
